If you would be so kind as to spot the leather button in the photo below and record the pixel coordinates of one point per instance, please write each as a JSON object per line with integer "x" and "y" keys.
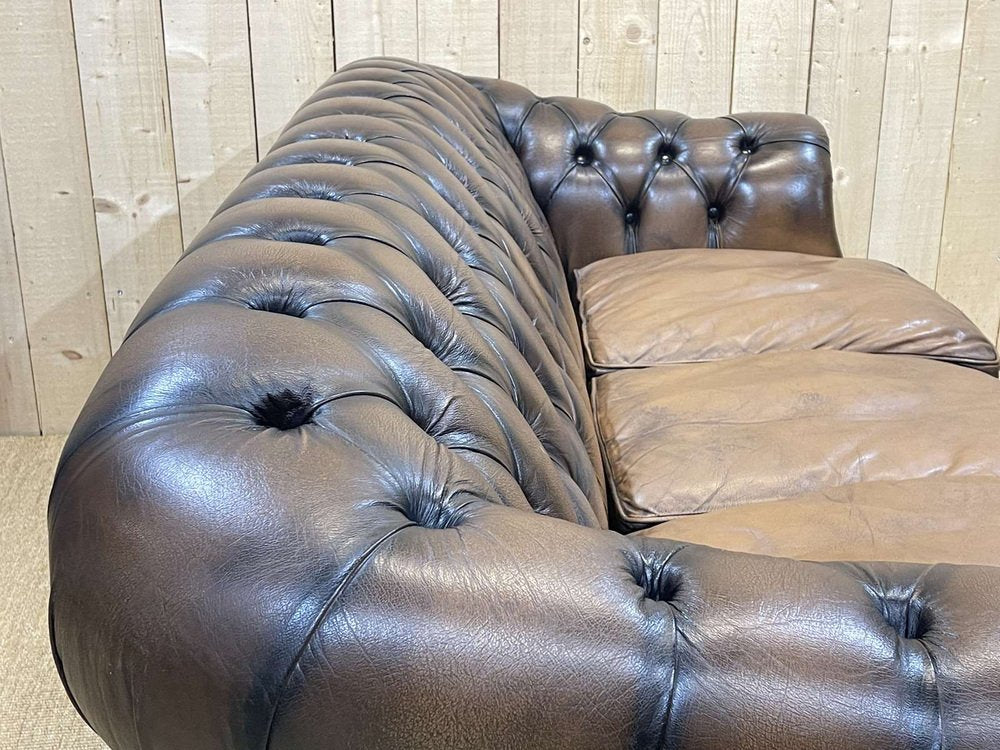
{"x": 665, "y": 158}
{"x": 631, "y": 217}
{"x": 583, "y": 155}
{"x": 284, "y": 411}
{"x": 714, "y": 212}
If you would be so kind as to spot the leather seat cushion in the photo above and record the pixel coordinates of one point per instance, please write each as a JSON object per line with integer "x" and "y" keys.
{"x": 930, "y": 520}
{"x": 690, "y": 438}
{"x": 669, "y": 306}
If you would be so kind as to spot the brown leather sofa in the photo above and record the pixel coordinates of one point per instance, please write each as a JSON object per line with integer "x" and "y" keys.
{"x": 343, "y": 485}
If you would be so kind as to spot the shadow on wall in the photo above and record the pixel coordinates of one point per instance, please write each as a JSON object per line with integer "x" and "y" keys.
{"x": 124, "y": 300}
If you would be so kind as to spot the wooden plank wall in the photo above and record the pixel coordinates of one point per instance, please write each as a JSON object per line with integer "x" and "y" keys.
{"x": 124, "y": 123}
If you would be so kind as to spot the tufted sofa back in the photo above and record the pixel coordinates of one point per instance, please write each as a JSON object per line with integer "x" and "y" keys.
{"x": 612, "y": 183}
{"x": 389, "y": 247}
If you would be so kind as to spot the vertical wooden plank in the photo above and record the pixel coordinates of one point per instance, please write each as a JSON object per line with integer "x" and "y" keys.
{"x": 462, "y": 35}
{"x": 124, "y": 85}
{"x": 969, "y": 266}
{"x": 694, "y": 61}
{"x": 365, "y": 28}
{"x": 211, "y": 103}
{"x": 918, "y": 107}
{"x": 539, "y": 44}
{"x": 48, "y": 179}
{"x": 291, "y": 45}
{"x": 18, "y": 412}
{"x": 771, "y": 59}
{"x": 845, "y": 94}
{"x": 618, "y": 52}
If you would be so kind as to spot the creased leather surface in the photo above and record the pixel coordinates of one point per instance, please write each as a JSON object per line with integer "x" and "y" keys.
{"x": 340, "y": 486}
{"x": 614, "y": 183}
{"x": 953, "y": 519}
{"x": 692, "y": 438}
{"x": 670, "y": 306}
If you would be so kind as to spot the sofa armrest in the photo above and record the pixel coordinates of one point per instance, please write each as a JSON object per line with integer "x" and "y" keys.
{"x": 236, "y": 615}
{"x": 512, "y": 631}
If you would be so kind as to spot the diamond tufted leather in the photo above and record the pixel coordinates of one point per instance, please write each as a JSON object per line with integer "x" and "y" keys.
{"x": 341, "y": 487}
{"x": 614, "y": 183}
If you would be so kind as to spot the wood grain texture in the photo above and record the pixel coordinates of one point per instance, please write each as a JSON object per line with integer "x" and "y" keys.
{"x": 18, "y": 412}
{"x": 291, "y": 44}
{"x": 548, "y": 69}
{"x": 211, "y": 103}
{"x": 694, "y": 60}
{"x": 365, "y": 28}
{"x": 968, "y": 270}
{"x": 133, "y": 140}
{"x": 618, "y": 52}
{"x": 463, "y": 35}
{"x": 845, "y": 94}
{"x": 48, "y": 181}
{"x": 124, "y": 87}
{"x": 771, "y": 56}
{"x": 918, "y": 108}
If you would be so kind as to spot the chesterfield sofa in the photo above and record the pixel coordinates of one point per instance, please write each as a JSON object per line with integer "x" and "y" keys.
{"x": 475, "y": 419}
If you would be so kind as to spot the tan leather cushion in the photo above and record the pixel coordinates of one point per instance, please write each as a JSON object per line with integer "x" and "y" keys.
{"x": 930, "y": 520}
{"x": 689, "y": 438}
{"x": 669, "y": 306}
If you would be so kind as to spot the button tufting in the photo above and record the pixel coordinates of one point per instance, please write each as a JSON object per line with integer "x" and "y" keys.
{"x": 304, "y": 235}
{"x": 904, "y": 612}
{"x": 285, "y": 304}
{"x": 714, "y": 212}
{"x": 283, "y": 410}
{"x": 431, "y": 512}
{"x": 631, "y": 217}
{"x": 584, "y": 155}
{"x": 659, "y": 580}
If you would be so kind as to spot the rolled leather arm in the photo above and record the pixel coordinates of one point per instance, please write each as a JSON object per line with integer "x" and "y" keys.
{"x": 256, "y": 590}
{"x": 505, "y": 633}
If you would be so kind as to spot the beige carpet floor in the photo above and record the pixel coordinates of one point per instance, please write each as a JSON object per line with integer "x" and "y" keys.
{"x": 34, "y": 710}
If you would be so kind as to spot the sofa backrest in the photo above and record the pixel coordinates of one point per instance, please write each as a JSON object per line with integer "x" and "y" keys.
{"x": 384, "y": 278}
{"x": 612, "y": 183}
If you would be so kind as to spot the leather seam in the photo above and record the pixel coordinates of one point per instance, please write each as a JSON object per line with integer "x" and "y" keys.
{"x": 937, "y": 743}
{"x": 674, "y": 673}
{"x": 795, "y": 140}
{"x": 59, "y": 664}
{"x": 572, "y": 123}
{"x": 334, "y": 597}
{"x": 516, "y": 140}
{"x": 613, "y": 187}
{"x": 596, "y": 132}
{"x": 612, "y": 481}
{"x": 807, "y": 141}
{"x": 555, "y": 188}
